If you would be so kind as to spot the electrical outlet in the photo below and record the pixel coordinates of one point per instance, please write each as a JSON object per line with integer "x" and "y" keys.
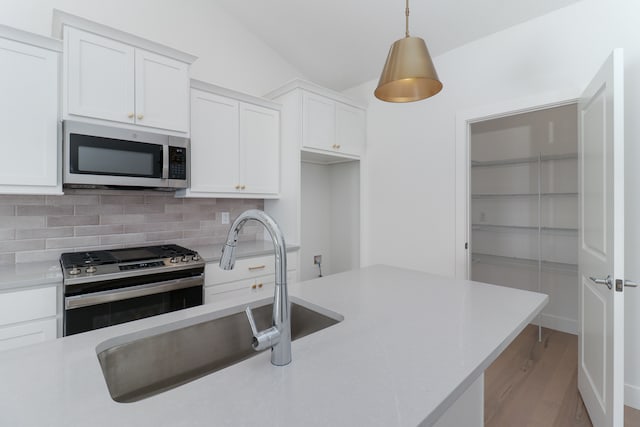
{"x": 224, "y": 217}
{"x": 317, "y": 259}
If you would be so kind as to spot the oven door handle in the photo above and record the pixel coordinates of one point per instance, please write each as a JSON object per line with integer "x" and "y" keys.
{"x": 165, "y": 162}
{"x": 112, "y": 295}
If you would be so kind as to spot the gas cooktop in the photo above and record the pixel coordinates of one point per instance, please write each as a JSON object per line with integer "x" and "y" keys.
{"x": 101, "y": 265}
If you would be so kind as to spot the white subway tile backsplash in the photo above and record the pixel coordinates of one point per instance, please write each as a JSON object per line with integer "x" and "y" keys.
{"x": 40, "y": 228}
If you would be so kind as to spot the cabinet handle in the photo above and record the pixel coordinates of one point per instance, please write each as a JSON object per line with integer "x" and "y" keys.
{"x": 140, "y": 116}
{"x": 257, "y": 267}
{"x": 130, "y": 115}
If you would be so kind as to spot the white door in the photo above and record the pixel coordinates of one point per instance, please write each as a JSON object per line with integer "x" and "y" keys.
{"x": 100, "y": 74}
{"x": 350, "y": 129}
{"x": 28, "y": 118}
{"x": 214, "y": 143}
{"x": 318, "y": 122}
{"x": 601, "y": 335}
{"x": 259, "y": 149}
{"x": 162, "y": 92}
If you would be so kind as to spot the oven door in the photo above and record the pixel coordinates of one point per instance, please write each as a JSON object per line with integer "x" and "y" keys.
{"x": 93, "y": 310}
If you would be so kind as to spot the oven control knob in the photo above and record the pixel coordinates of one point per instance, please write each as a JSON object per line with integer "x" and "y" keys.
{"x": 186, "y": 258}
{"x": 196, "y": 257}
{"x": 174, "y": 260}
{"x": 74, "y": 271}
{"x": 91, "y": 269}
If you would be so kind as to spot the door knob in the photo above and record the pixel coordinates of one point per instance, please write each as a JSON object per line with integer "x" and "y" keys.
{"x": 631, "y": 284}
{"x": 608, "y": 281}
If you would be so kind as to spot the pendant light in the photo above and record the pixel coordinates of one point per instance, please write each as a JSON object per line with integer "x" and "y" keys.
{"x": 408, "y": 74}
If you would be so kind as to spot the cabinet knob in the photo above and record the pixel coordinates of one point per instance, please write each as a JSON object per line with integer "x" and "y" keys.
{"x": 253, "y": 286}
{"x": 260, "y": 285}
{"x": 238, "y": 187}
{"x": 140, "y": 116}
{"x": 130, "y": 115}
{"x": 242, "y": 187}
{"x": 338, "y": 146}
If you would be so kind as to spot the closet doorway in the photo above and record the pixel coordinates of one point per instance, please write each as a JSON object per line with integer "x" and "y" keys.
{"x": 523, "y": 181}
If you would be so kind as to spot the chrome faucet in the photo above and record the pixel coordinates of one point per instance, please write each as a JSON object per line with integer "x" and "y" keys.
{"x": 278, "y": 336}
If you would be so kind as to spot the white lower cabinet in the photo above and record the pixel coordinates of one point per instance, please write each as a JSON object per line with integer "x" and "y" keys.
{"x": 28, "y": 317}
{"x": 250, "y": 276}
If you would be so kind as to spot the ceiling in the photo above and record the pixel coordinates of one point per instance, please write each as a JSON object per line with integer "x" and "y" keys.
{"x": 342, "y": 43}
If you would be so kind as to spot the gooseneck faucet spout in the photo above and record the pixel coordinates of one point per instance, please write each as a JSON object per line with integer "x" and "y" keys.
{"x": 278, "y": 337}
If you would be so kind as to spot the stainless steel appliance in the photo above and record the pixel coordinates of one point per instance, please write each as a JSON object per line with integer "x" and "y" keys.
{"x": 104, "y": 288}
{"x": 99, "y": 156}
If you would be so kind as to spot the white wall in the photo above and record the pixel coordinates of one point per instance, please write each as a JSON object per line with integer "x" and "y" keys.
{"x": 228, "y": 54}
{"x": 315, "y": 202}
{"x": 411, "y": 147}
{"x": 330, "y": 218}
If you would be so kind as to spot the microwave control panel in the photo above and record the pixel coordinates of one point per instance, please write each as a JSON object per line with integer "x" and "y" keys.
{"x": 177, "y": 163}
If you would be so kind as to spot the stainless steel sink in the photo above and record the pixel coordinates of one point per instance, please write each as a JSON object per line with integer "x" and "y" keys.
{"x": 136, "y": 367}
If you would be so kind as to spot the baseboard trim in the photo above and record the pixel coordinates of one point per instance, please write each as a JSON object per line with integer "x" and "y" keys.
{"x": 562, "y": 324}
{"x": 632, "y": 396}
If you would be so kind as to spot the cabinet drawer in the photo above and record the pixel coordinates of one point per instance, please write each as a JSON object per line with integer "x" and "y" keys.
{"x": 259, "y": 286}
{"x": 26, "y": 305}
{"x": 245, "y": 268}
{"x": 15, "y": 336}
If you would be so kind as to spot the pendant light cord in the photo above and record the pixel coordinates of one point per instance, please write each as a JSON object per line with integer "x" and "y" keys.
{"x": 406, "y": 12}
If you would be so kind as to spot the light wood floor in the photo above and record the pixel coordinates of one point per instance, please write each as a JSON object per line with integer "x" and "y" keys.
{"x": 535, "y": 384}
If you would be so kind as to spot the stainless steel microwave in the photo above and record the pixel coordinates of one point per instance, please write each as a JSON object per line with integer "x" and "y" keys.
{"x": 100, "y": 156}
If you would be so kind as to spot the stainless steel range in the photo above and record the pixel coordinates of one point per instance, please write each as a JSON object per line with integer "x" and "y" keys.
{"x": 104, "y": 288}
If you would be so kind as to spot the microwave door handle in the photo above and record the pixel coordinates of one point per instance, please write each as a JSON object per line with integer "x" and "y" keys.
{"x": 165, "y": 162}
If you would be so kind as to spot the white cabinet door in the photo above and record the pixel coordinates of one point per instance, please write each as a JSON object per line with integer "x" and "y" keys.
{"x": 259, "y": 149}
{"x": 350, "y": 129}
{"x": 28, "y": 119}
{"x": 214, "y": 143}
{"x": 162, "y": 92}
{"x": 21, "y": 334}
{"x": 99, "y": 77}
{"x": 318, "y": 123}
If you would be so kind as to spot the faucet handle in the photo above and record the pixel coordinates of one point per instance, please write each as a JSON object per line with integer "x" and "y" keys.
{"x": 252, "y": 322}
{"x": 264, "y": 339}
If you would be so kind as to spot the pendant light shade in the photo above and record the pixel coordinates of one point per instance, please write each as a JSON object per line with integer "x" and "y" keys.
{"x": 408, "y": 74}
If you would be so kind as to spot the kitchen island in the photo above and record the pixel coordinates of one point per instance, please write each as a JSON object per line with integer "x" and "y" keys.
{"x": 411, "y": 350}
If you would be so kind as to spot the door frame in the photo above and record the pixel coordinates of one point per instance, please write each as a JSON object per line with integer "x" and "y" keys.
{"x": 464, "y": 119}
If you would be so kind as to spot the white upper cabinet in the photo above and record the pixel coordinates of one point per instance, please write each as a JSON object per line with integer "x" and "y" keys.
{"x": 29, "y": 113}
{"x": 235, "y": 145}
{"x": 214, "y": 143}
{"x": 162, "y": 92}
{"x": 332, "y": 126}
{"x": 106, "y": 79}
{"x": 99, "y": 77}
{"x": 259, "y": 149}
{"x": 350, "y": 129}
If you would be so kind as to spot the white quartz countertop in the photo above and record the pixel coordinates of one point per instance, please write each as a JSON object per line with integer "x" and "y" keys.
{"x": 409, "y": 345}
{"x": 33, "y": 274}
{"x": 20, "y": 276}
{"x": 252, "y": 248}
